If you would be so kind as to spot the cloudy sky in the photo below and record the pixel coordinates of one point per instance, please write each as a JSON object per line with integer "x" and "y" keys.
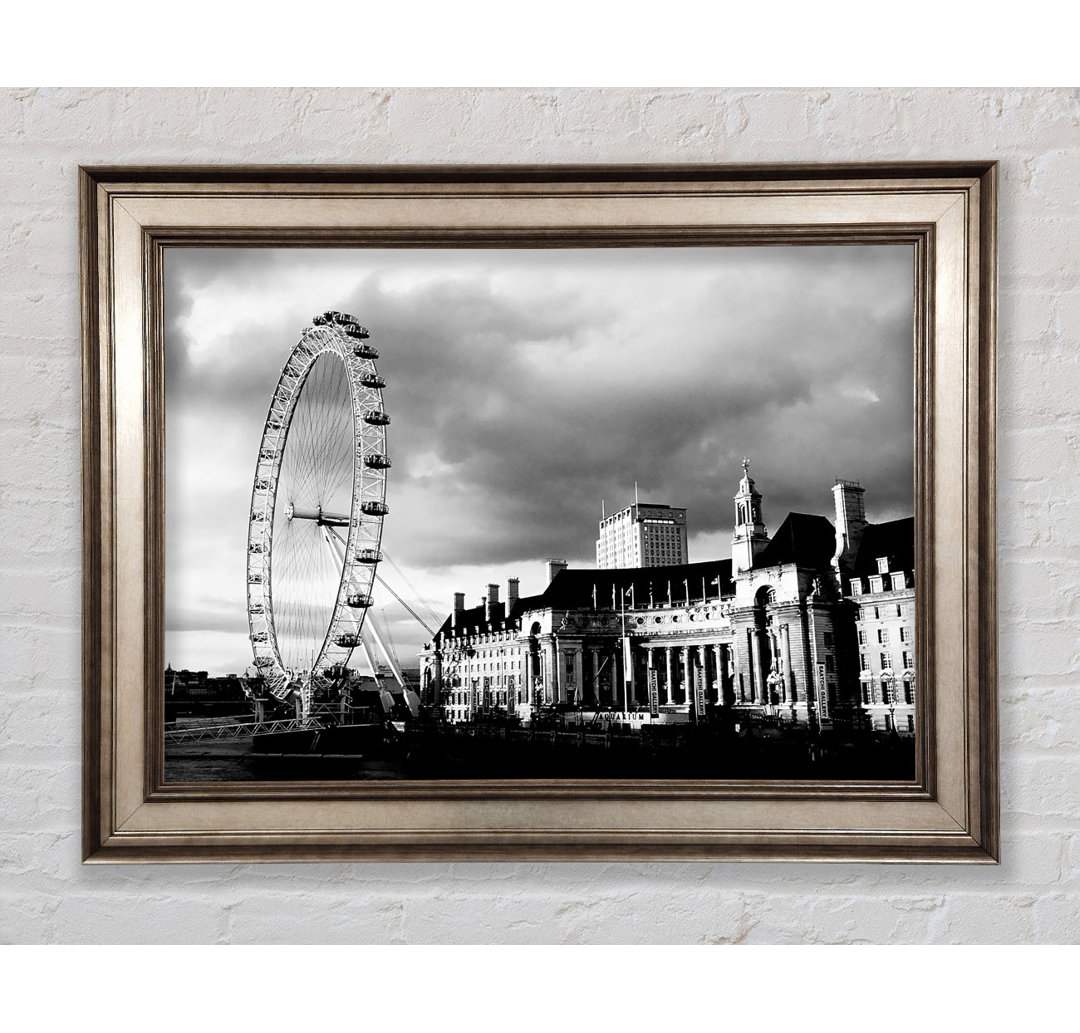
{"x": 526, "y": 387}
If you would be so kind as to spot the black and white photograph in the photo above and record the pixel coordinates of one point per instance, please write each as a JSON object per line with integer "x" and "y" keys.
{"x": 540, "y": 513}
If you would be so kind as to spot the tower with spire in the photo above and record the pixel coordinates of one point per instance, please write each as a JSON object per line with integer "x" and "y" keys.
{"x": 751, "y": 537}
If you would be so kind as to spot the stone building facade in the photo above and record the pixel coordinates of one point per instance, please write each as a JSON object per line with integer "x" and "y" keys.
{"x": 812, "y": 625}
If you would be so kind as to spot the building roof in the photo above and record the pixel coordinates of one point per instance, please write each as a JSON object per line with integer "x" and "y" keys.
{"x": 895, "y": 539}
{"x": 572, "y": 589}
{"x": 803, "y": 539}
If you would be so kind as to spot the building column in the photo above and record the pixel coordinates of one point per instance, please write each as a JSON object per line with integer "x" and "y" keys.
{"x": 615, "y": 676}
{"x": 594, "y": 654}
{"x": 718, "y": 656}
{"x": 669, "y": 695}
{"x": 686, "y": 674}
{"x": 788, "y": 674}
{"x": 759, "y": 690}
{"x": 579, "y": 676}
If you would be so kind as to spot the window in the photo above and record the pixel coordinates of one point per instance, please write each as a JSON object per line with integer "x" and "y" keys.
{"x": 830, "y": 663}
{"x": 883, "y": 636}
{"x": 875, "y": 584}
{"x": 877, "y": 613}
{"x": 909, "y": 693}
{"x": 864, "y": 661}
{"x": 905, "y": 634}
{"x": 886, "y": 662}
{"x": 856, "y": 586}
{"x": 899, "y": 611}
{"x": 828, "y": 639}
{"x": 911, "y": 722}
{"x": 862, "y": 637}
{"x": 883, "y": 564}
{"x": 907, "y": 659}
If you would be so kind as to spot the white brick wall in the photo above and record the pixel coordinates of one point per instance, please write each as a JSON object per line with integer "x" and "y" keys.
{"x": 47, "y": 896}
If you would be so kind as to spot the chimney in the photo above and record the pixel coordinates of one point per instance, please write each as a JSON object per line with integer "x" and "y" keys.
{"x": 492, "y": 603}
{"x": 511, "y": 594}
{"x": 555, "y": 567}
{"x": 459, "y": 609}
{"x": 485, "y": 607}
{"x": 850, "y": 522}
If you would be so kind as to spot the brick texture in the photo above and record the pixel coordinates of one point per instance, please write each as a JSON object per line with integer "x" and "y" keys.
{"x": 47, "y": 896}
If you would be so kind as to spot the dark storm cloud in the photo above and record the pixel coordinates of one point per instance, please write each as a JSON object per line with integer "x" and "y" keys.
{"x": 525, "y": 387}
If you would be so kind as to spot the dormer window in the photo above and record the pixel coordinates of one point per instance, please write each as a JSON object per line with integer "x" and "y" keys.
{"x": 883, "y": 564}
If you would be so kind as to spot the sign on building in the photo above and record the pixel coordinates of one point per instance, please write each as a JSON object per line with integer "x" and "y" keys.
{"x": 699, "y": 691}
{"x": 654, "y": 694}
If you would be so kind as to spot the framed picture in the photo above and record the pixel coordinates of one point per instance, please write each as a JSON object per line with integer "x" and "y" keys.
{"x": 680, "y": 543}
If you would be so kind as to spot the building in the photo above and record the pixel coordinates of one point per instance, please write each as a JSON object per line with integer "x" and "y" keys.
{"x": 199, "y": 685}
{"x": 882, "y": 587}
{"x": 812, "y": 625}
{"x": 642, "y": 536}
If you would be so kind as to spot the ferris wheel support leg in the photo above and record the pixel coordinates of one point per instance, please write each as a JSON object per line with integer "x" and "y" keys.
{"x": 370, "y": 661}
{"x": 337, "y": 550}
{"x": 390, "y": 661}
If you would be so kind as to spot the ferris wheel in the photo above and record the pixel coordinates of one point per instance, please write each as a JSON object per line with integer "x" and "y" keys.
{"x": 317, "y": 507}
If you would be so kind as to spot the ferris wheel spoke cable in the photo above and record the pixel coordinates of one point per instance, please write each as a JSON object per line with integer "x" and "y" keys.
{"x": 423, "y": 602}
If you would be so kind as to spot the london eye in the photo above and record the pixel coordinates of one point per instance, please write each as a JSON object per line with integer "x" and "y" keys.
{"x": 318, "y": 502}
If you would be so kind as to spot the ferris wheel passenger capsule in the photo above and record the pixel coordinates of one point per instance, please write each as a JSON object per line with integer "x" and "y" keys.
{"x": 377, "y": 462}
{"x": 373, "y": 380}
{"x": 347, "y": 641}
{"x": 376, "y": 417}
{"x": 365, "y": 351}
{"x": 374, "y": 508}
{"x": 368, "y": 556}
{"x": 358, "y": 600}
